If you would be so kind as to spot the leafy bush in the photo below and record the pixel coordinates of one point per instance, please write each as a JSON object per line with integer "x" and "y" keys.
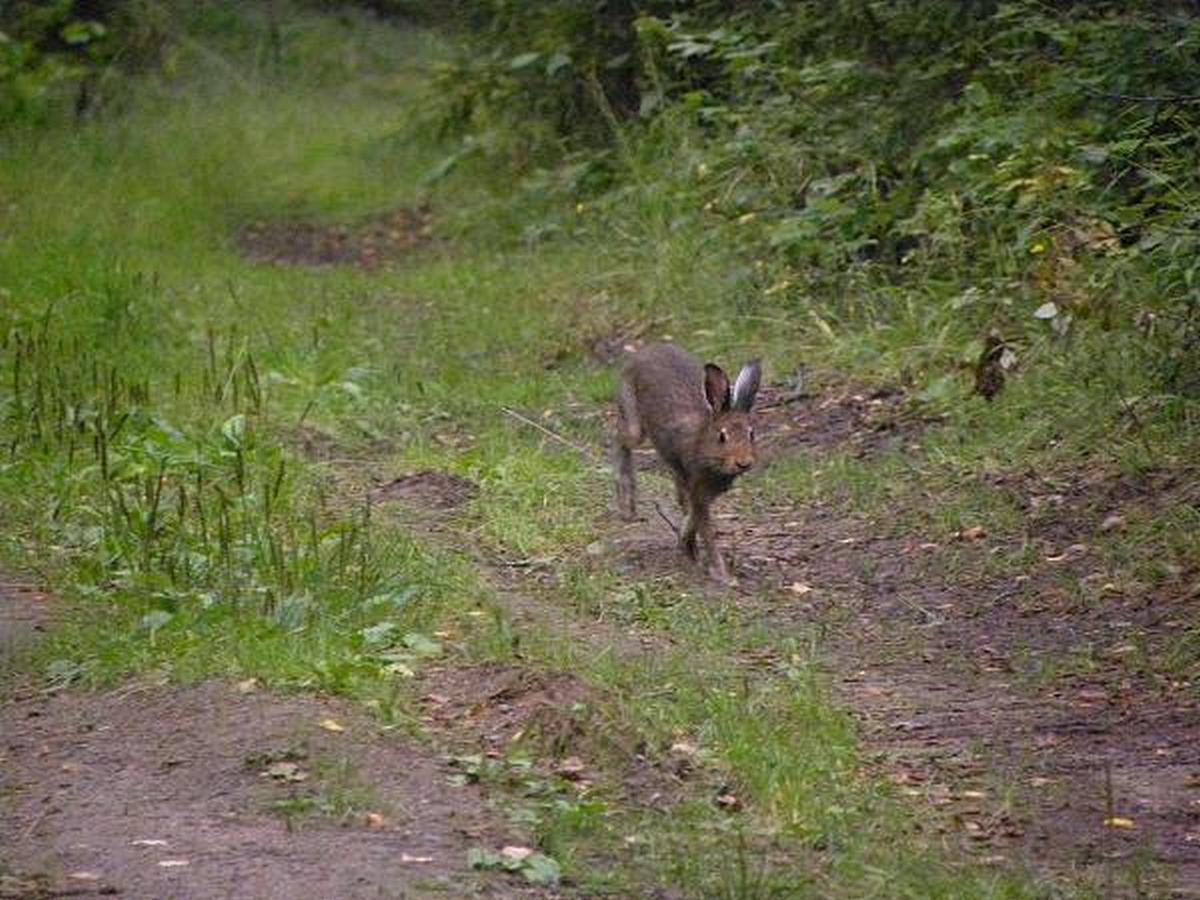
{"x": 66, "y": 46}
{"x": 1014, "y": 154}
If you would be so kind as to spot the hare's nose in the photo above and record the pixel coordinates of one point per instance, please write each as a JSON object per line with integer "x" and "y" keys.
{"x": 744, "y": 464}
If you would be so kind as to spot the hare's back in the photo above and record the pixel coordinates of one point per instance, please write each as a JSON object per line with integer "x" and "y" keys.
{"x": 668, "y": 383}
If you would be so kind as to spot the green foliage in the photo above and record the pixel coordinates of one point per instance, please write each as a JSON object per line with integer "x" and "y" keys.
{"x": 70, "y": 48}
{"x": 994, "y": 156}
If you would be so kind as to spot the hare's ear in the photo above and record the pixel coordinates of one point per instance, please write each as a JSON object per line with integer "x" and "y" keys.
{"x": 746, "y": 386}
{"x": 716, "y": 388}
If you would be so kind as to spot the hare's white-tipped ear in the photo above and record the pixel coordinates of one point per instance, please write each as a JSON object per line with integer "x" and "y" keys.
{"x": 716, "y": 388}
{"x": 746, "y": 386}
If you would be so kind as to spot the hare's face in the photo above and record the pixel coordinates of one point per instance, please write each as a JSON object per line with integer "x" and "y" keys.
{"x": 727, "y": 444}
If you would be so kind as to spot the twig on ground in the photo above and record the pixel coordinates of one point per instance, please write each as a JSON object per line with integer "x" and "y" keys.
{"x": 532, "y": 562}
{"x": 586, "y": 451}
{"x": 658, "y": 509}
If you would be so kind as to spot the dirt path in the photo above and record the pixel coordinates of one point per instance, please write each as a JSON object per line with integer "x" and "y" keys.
{"x": 219, "y": 790}
{"x": 1020, "y": 711}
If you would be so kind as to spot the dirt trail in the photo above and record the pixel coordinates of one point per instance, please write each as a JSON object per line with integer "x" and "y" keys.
{"x": 999, "y": 699}
{"x": 183, "y": 792}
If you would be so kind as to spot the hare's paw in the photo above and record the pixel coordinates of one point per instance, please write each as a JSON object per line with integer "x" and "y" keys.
{"x": 719, "y": 572}
{"x": 688, "y": 546}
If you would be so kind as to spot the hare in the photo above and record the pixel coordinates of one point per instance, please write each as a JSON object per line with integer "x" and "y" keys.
{"x": 701, "y": 429}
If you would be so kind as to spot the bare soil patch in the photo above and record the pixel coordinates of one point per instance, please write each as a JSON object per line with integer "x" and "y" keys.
{"x": 497, "y": 704}
{"x": 323, "y": 447}
{"x": 437, "y": 489}
{"x": 25, "y": 614}
{"x": 830, "y": 413}
{"x": 368, "y": 244}
{"x": 495, "y": 708}
{"x": 154, "y": 791}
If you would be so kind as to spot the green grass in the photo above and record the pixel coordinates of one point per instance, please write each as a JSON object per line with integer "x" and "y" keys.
{"x": 153, "y": 385}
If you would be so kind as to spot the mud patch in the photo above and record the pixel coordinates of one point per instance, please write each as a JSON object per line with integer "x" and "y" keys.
{"x": 368, "y": 244}
{"x": 159, "y": 792}
{"x": 439, "y": 490}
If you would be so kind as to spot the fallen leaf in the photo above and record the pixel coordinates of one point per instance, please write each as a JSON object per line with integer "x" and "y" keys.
{"x": 248, "y": 686}
{"x": 516, "y": 853}
{"x": 729, "y": 802}
{"x": 405, "y": 858}
{"x": 1112, "y": 523}
{"x": 149, "y": 842}
{"x": 83, "y": 876}
{"x": 1119, "y": 822}
{"x": 286, "y": 771}
{"x": 332, "y": 725}
{"x": 173, "y": 863}
{"x": 376, "y": 820}
{"x": 570, "y": 768}
{"x": 974, "y": 533}
{"x": 799, "y": 588}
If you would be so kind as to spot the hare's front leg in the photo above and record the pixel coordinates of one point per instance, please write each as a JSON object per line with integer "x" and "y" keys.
{"x": 681, "y": 491}
{"x": 695, "y": 507}
{"x": 628, "y": 436}
{"x": 700, "y": 523}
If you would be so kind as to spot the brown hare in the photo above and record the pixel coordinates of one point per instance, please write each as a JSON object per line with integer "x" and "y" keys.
{"x": 701, "y": 429}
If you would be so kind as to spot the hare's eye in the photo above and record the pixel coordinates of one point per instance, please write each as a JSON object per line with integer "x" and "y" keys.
{"x": 723, "y": 436}
{"x": 752, "y": 435}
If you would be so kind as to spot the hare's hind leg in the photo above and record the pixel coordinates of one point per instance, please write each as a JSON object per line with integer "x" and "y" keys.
{"x": 695, "y": 512}
{"x": 628, "y": 436}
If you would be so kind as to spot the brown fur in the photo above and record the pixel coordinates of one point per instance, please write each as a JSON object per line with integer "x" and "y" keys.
{"x": 701, "y": 430}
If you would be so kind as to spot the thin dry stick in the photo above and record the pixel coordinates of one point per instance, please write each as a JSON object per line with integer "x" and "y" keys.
{"x": 658, "y": 508}
{"x": 586, "y": 451}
